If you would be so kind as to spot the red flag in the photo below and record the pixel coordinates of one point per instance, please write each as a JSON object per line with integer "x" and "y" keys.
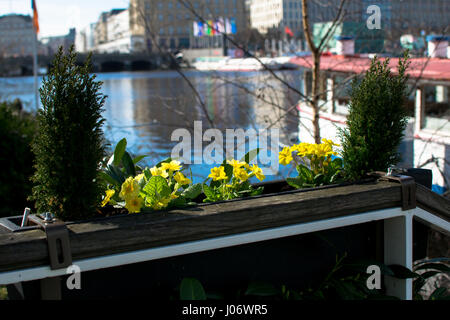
{"x": 288, "y": 31}
{"x": 35, "y": 16}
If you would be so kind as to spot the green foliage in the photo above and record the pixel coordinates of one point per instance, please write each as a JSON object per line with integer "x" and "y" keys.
{"x": 69, "y": 145}
{"x": 376, "y": 120}
{"x": 307, "y": 179}
{"x": 191, "y": 289}
{"x": 3, "y": 293}
{"x": 316, "y": 164}
{"x": 163, "y": 186}
{"x": 231, "y": 179}
{"x": 17, "y": 129}
{"x": 120, "y": 166}
{"x": 432, "y": 268}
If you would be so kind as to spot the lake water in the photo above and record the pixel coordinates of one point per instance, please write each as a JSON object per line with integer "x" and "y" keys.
{"x": 146, "y": 107}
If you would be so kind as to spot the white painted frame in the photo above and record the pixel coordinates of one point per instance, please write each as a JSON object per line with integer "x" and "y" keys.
{"x": 397, "y": 247}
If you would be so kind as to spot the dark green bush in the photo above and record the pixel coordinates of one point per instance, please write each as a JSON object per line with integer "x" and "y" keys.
{"x": 376, "y": 120}
{"x": 69, "y": 146}
{"x": 17, "y": 129}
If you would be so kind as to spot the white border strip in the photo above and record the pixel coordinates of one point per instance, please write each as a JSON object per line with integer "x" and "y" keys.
{"x": 199, "y": 246}
{"x": 431, "y": 218}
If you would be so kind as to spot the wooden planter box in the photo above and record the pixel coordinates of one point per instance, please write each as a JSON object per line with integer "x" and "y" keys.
{"x": 274, "y": 237}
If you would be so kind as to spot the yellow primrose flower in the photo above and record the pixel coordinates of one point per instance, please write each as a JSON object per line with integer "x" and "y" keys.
{"x": 241, "y": 174}
{"x": 172, "y": 166}
{"x": 109, "y": 194}
{"x": 236, "y": 164}
{"x": 321, "y": 150}
{"x": 130, "y": 189}
{"x": 159, "y": 172}
{"x": 285, "y": 156}
{"x": 302, "y": 149}
{"x": 133, "y": 205}
{"x": 258, "y": 172}
{"x": 330, "y": 142}
{"x": 139, "y": 178}
{"x": 181, "y": 179}
{"x": 218, "y": 173}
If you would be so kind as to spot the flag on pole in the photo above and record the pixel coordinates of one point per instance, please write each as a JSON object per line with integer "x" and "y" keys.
{"x": 35, "y": 16}
{"x": 228, "y": 26}
{"x": 233, "y": 25}
{"x": 211, "y": 31}
{"x": 288, "y": 31}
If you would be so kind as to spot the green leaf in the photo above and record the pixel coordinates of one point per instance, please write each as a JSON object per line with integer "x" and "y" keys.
{"x": 428, "y": 274}
{"x": 305, "y": 173}
{"x": 116, "y": 173}
{"x": 162, "y": 187}
{"x": 177, "y": 203}
{"x": 295, "y": 182}
{"x": 156, "y": 188}
{"x": 139, "y": 158}
{"x": 257, "y": 192}
{"x": 119, "y": 151}
{"x": 209, "y": 193}
{"x": 347, "y": 290}
{"x": 191, "y": 289}
{"x": 193, "y": 191}
{"x": 252, "y": 154}
{"x": 108, "y": 178}
{"x": 150, "y": 189}
{"x": 215, "y": 184}
{"x": 402, "y": 272}
{"x": 438, "y": 294}
{"x": 318, "y": 179}
{"x": 335, "y": 177}
{"x": 261, "y": 289}
{"x": 128, "y": 165}
{"x": 228, "y": 171}
{"x": 435, "y": 266}
{"x": 337, "y": 163}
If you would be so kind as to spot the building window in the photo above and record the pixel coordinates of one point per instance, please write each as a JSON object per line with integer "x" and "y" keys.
{"x": 437, "y": 109}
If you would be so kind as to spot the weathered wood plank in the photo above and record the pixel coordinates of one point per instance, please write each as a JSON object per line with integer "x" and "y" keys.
{"x": 140, "y": 231}
{"x": 433, "y": 202}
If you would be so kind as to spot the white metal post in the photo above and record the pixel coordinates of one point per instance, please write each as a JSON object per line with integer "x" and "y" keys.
{"x": 398, "y": 250}
{"x": 330, "y": 94}
{"x": 420, "y": 108}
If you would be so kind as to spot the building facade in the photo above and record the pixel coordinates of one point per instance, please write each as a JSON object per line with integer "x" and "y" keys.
{"x": 85, "y": 38}
{"x": 52, "y": 44}
{"x": 169, "y": 24}
{"x": 270, "y": 15}
{"x": 112, "y": 33}
{"x": 16, "y": 35}
{"x": 397, "y": 16}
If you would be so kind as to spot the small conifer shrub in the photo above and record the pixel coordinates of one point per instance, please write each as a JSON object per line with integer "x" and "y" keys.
{"x": 69, "y": 146}
{"x": 377, "y": 119}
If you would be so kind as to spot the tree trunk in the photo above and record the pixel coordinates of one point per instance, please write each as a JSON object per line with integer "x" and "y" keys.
{"x": 315, "y": 52}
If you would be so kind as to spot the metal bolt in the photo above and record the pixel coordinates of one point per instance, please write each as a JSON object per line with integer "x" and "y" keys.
{"x": 48, "y": 217}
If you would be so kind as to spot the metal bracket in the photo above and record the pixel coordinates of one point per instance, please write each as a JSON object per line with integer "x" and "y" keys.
{"x": 408, "y": 185}
{"x": 58, "y": 242}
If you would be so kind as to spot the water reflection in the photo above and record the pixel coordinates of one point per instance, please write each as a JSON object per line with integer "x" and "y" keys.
{"x": 146, "y": 107}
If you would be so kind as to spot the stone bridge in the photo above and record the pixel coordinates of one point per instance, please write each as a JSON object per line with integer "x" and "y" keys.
{"x": 114, "y": 62}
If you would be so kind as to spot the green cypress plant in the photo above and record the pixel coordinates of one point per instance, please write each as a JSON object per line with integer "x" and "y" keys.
{"x": 377, "y": 119}
{"x": 69, "y": 146}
